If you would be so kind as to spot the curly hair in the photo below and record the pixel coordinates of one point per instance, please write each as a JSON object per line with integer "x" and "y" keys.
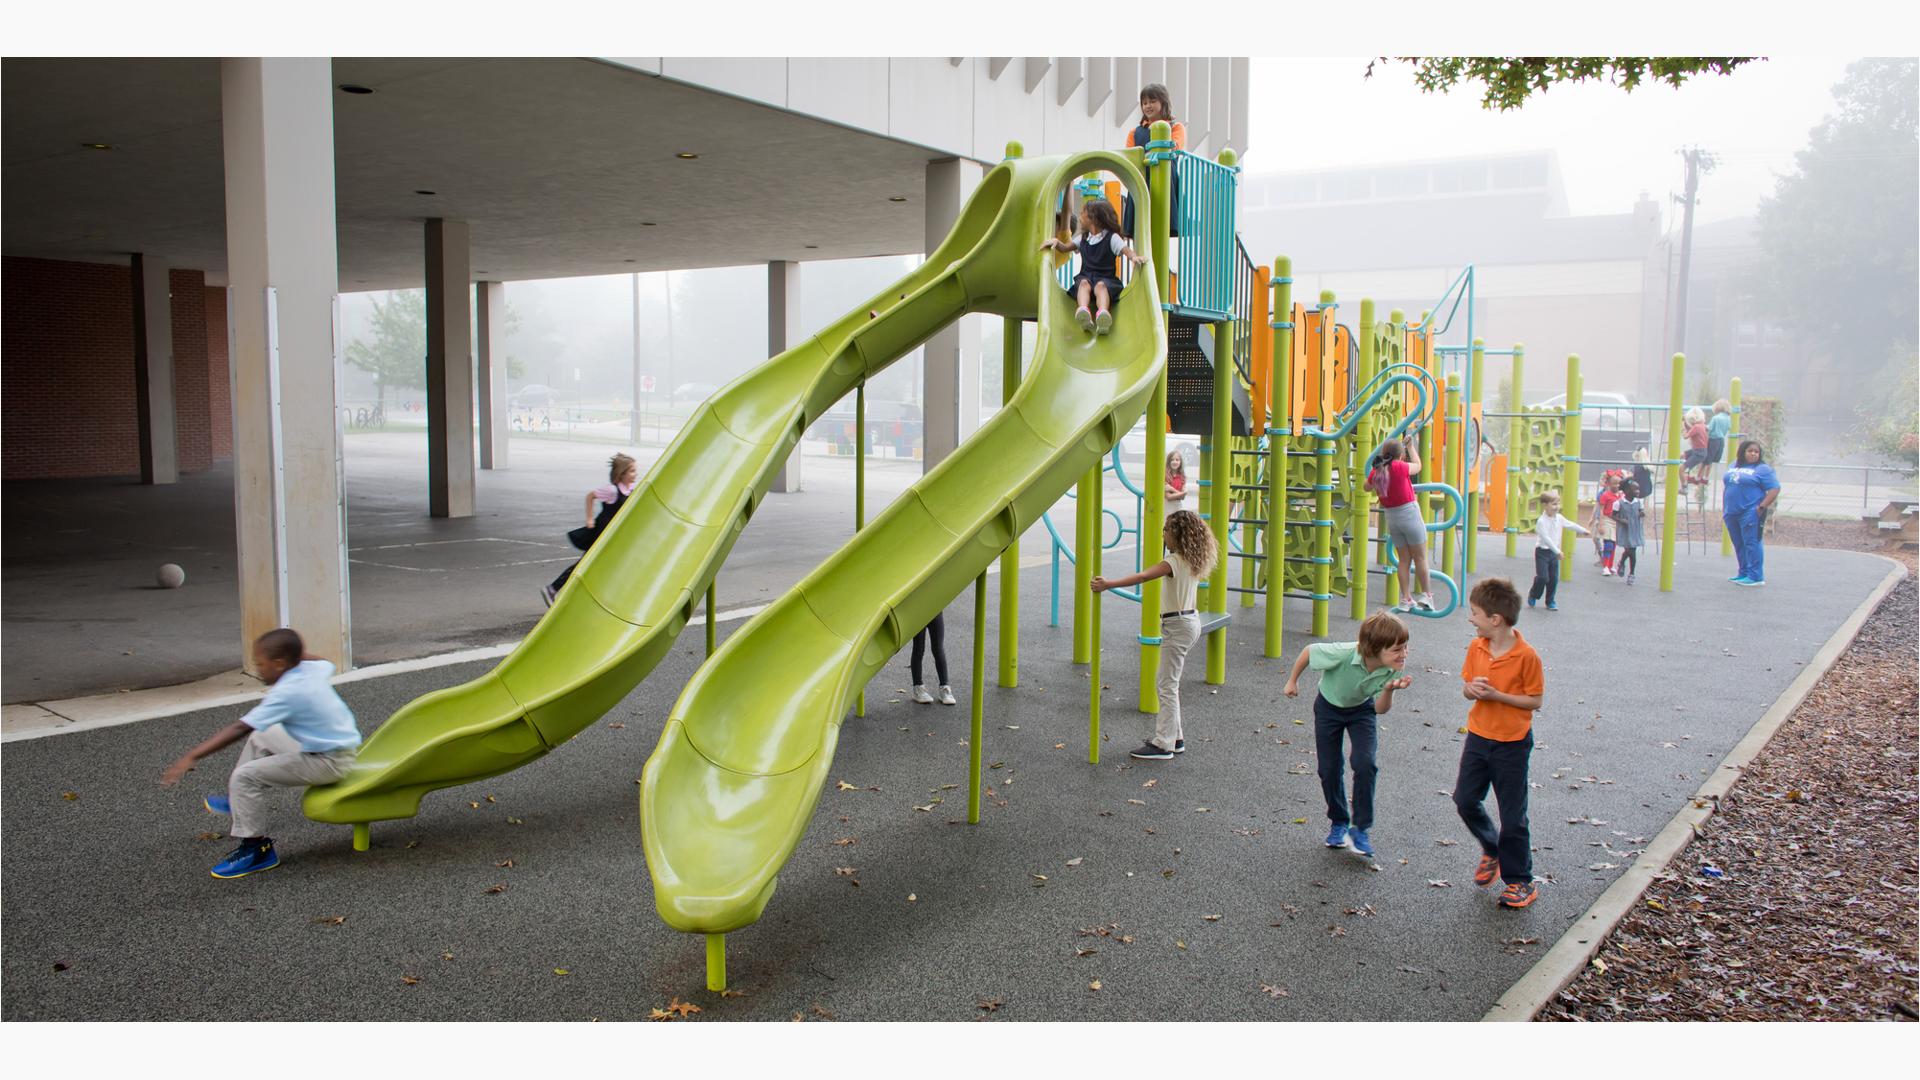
{"x": 1188, "y": 537}
{"x": 617, "y": 466}
{"x": 1101, "y": 211}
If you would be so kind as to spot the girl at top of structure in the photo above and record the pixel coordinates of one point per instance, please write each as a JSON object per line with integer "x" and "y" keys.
{"x": 1391, "y": 480}
{"x": 1696, "y": 459}
{"x": 1155, "y": 105}
{"x": 1191, "y": 551}
{"x": 1100, "y": 244}
{"x": 1719, "y": 425}
{"x": 1176, "y": 487}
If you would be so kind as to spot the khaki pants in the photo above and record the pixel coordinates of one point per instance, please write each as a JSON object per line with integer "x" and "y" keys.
{"x": 271, "y": 758}
{"x": 1177, "y": 635}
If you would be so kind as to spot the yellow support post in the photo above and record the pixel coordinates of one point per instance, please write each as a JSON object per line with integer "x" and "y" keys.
{"x": 1670, "y": 501}
{"x": 1570, "y": 465}
{"x": 1093, "y": 628}
{"x": 1733, "y": 440}
{"x": 1476, "y": 368}
{"x": 1010, "y": 345}
{"x": 1086, "y": 540}
{"x": 1450, "y": 470}
{"x": 716, "y": 962}
{"x": 859, "y": 498}
{"x": 362, "y": 837}
{"x": 1279, "y": 437}
{"x": 1359, "y": 498}
{"x": 1516, "y": 441}
{"x": 976, "y": 737}
{"x": 712, "y": 587}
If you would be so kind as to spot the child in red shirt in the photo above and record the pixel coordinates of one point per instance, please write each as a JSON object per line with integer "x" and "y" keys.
{"x": 1504, "y": 680}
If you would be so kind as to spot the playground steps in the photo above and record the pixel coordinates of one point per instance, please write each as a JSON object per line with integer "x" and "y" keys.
{"x": 1190, "y": 380}
{"x": 1214, "y": 620}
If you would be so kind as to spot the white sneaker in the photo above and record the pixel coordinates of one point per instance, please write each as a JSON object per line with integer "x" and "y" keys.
{"x": 1405, "y": 605}
{"x": 921, "y": 696}
{"x": 1425, "y": 601}
{"x": 946, "y": 696}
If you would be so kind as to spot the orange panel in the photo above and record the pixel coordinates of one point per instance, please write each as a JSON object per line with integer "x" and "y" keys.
{"x": 1339, "y": 349}
{"x": 1306, "y": 361}
{"x": 1496, "y": 507}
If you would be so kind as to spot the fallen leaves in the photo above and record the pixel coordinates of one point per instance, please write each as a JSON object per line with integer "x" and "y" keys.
{"x": 1438, "y": 884}
{"x": 844, "y": 786}
{"x": 1076, "y": 861}
{"x": 496, "y": 889}
{"x": 1211, "y": 918}
{"x": 330, "y": 920}
{"x": 504, "y": 864}
{"x": 410, "y": 980}
{"x": 678, "y": 1010}
{"x": 69, "y": 795}
{"x": 1275, "y": 992}
{"x": 561, "y": 971}
{"x": 1094, "y": 986}
{"x": 991, "y": 1005}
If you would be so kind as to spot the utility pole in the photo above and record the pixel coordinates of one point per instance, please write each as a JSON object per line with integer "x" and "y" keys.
{"x": 1698, "y": 161}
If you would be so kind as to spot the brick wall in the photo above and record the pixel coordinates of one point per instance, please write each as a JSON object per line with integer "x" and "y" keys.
{"x": 66, "y": 370}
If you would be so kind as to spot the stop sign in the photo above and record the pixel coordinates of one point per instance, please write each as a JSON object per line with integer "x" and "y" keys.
{"x": 646, "y": 384}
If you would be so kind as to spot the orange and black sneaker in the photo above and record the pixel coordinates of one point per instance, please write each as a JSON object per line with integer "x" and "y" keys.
{"x": 1518, "y": 894}
{"x": 1488, "y": 869}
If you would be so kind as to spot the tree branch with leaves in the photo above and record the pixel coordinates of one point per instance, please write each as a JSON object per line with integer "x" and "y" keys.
{"x": 1510, "y": 80}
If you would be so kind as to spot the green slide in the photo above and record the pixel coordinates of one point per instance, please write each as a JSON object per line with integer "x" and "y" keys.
{"x": 729, "y": 790}
{"x": 622, "y": 609}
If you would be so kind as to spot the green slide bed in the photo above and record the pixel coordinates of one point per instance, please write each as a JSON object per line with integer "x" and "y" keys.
{"x": 730, "y": 789}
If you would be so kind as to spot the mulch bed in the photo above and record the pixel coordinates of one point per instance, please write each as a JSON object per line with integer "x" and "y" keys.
{"x": 1797, "y": 900}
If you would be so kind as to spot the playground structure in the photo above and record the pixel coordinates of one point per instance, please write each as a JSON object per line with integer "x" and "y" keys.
{"x": 733, "y": 783}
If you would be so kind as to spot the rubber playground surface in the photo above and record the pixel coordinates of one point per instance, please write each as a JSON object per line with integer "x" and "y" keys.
{"x": 1077, "y": 874}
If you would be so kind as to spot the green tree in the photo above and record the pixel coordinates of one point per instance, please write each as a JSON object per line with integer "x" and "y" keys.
{"x": 397, "y": 355}
{"x": 1837, "y": 237}
{"x": 1510, "y": 80}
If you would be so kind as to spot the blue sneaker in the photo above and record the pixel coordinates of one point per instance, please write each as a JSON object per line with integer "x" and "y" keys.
{"x": 1337, "y": 837}
{"x": 1738, "y": 580}
{"x": 1747, "y": 583}
{"x": 1357, "y": 839}
{"x": 217, "y": 804}
{"x": 1551, "y": 606}
{"x": 1531, "y": 602}
{"x": 246, "y": 859}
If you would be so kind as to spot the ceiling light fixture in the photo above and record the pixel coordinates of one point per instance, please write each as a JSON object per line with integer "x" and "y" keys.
{"x": 649, "y": 224}
{"x": 629, "y": 260}
{"x": 424, "y": 191}
{"x": 355, "y": 88}
{"x": 685, "y": 155}
{"x": 813, "y": 247}
{"x": 97, "y": 146}
{"x": 896, "y": 198}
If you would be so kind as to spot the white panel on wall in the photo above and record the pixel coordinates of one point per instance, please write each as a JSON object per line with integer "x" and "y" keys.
{"x": 852, "y": 91}
{"x": 1238, "y": 128}
{"x": 1002, "y": 111}
{"x": 1197, "y": 109}
{"x": 1069, "y": 127}
{"x": 1220, "y": 105}
{"x": 1073, "y": 71}
{"x": 1036, "y": 68}
{"x": 1127, "y": 72}
{"x": 1153, "y": 69}
{"x": 762, "y": 79}
{"x": 930, "y": 102}
{"x": 648, "y": 64}
{"x": 1099, "y": 82}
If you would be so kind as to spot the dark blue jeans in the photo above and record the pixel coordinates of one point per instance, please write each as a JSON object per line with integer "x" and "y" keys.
{"x": 1330, "y": 724}
{"x": 1546, "y": 574}
{"x": 1744, "y": 528}
{"x": 1501, "y": 766}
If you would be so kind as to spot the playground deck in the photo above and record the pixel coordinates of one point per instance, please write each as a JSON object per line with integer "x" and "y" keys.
{"x": 111, "y": 914}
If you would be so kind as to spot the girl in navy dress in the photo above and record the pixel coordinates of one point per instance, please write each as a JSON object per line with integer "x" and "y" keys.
{"x": 1100, "y": 246}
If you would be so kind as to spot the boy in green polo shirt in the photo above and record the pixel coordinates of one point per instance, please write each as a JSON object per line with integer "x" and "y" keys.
{"x": 1346, "y": 706}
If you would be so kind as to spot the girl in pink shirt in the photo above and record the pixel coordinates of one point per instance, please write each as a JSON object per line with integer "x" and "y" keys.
{"x": 1391, "y": 480}
{"x": 622, "y": 474}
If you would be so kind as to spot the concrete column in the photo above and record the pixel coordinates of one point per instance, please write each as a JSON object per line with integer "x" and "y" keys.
{"x": 153, "y": 371}
{"x": 490, "y": 308}
{"x": 283, "y": 269}
{"x": 952, "y": 366}
{"x": 449, "y": 371}
{"x": 783, "y": 333}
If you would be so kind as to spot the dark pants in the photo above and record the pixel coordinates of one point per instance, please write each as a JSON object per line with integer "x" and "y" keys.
{"x": 1330, "y": 723}
{"x": 1501, "y": 766}
{"x": 1546, "y": 574}
{"x": 937, "y": 630}
{"x": 1628, "y": 562}
{"x": 564, "y": 575}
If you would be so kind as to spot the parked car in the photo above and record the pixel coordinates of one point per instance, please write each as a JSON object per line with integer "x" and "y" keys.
{"x": 693, "y": 393}
{"x": 1600, "y": 415}
{"x": 534, "y": 396}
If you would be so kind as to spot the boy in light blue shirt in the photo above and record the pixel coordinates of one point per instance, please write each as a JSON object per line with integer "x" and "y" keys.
{"x": 300, "y": 734}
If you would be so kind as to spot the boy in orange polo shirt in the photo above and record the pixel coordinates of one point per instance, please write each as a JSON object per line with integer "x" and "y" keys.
{"x": 1503, "y": 679}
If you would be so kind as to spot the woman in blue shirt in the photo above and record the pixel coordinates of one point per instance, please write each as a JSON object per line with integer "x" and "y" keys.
{"x": 1748, "y": 489}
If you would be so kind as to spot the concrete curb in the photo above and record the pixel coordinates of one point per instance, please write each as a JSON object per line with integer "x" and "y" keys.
{"x": 1571, "y": 953}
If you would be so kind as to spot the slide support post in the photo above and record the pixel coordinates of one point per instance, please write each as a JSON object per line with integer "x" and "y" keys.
{"x": 712, "y": 587}
{"x": 1670, "y": 499}
{"x": 1153, "y": 520}
{"x": 975, "y": 736}
{"x": 1359, "y": 498}
{"x": 859, "y": 500}
{"x": 1010, "y": 559}
{"x": 1279, "y": 440}
{"x": 1476, "y": 371}
{"x": 716, "y": 962}
{"x": 1570, "y": 467}
{"x": 1516, "y": 442}
{"x": 362, "y": 836}
{"x": 1093, "y": 624}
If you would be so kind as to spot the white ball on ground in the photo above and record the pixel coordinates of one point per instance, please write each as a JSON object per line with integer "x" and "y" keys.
{"x": 171, "y": 576}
